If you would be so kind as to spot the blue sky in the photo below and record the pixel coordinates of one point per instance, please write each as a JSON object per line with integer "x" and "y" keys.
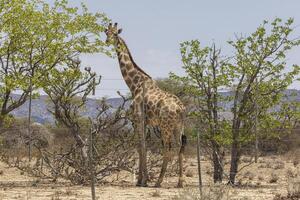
{"x": 153, "y": 30}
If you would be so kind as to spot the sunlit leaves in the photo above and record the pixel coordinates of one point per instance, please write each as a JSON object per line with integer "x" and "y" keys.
{"x": 207, "y": 73}
{"x": 36, "y": 37}
{"x": 257, "y": 74}
{"x": 68, "y": 88}
{"x": 260, "y": 69}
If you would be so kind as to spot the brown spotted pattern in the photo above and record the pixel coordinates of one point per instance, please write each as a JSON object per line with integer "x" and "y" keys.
{"x": 161, "y": 109}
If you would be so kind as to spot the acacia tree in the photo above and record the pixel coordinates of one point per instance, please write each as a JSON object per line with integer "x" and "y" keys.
{"x": 36, "y": 37}
{"x": 260, "y": 75}
{"x": 256, "y": 77}
{"x": 206, "y": 75}
{"x": 68, "y": 89}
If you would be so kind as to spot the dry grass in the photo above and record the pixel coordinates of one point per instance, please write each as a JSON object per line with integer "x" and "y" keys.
{"x": 290, "y": 173}
{"x": 59, "y": 194}
{"x": 265, "y": 164}
{"x": 274, "y": 164}
{"x": 278, "y": 165}
{"x": 254, "y": 184}
{"x": 293, "y": 184}
{"x": 217, "y": 192}
{"x": 296, "y": 163}
{"x": 260, "y": 178}
{"x": 187, "y": 194}
{"x": 274, "y": 178}
{"x": 249, "y": 175}
{"x": 189, "y": 173}
{"x": 293, "y": 192}
{"x": 246, "y": 159}
{"x": 156, "y": 193}
{"x": 56, "y": 196}
{"x": 209, "y": 171}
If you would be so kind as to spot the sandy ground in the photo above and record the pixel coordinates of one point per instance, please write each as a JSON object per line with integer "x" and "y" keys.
{"x": 255, "y": 184}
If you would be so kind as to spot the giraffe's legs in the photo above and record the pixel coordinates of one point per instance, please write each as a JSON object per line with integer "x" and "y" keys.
{"x": 140, "y": 174}
{"x": 182, "y": 141}
{"x": 139, "y": 130}
{"x": 166, "y": 159}
{"x": 143, "y": 173}
{"x": 180, "y": 163}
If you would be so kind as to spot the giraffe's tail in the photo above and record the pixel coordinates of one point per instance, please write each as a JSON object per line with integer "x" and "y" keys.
{"x": 183, "y": 141}
{"x": 183, "y": 136}
{"x": 183, "y": 121}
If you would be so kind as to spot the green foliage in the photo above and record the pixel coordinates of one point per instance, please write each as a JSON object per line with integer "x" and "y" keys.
{"x": 279, "y": 123}
{"x": 260, "y": 73}
{"x": 170, "y": 85}
{"x": 256, "y": 76}
{"x": 36, "y": 37}
{"x": 206, "y": 75}
{"x": 174, "y": 87}
{"x": 68, "y": 89}
{"x": 8, "y": 120}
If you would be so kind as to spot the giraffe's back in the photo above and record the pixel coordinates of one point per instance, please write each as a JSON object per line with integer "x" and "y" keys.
{"x": 163, "y": 108}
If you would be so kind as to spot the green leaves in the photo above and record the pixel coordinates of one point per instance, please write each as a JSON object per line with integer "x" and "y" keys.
{"x": 36, "y": 37}
{"x": 68, "y": 88}
{"x": 261, "y": 61}
{"x": 207, "y": 73}
{"x": 257, "y": 75}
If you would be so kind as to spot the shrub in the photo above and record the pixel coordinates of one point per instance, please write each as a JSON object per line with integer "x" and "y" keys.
{"x": 189, "y": 173}
{"x": 260, "y": 178}
{"x": 274, "y": 178}
{"x": 156, "y": 193}
{"x": 295, "y": 163}
{"x": 278, "y": 165}
{"x": 218, "y": 192}
{"x": 293, "y": 190}
{"x": 249, "y": 175}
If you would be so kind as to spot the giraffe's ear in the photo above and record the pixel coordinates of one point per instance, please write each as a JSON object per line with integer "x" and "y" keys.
{"x": 119, "y": 31}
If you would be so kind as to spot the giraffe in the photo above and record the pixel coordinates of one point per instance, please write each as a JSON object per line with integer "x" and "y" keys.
{"x": 161, "y": 109}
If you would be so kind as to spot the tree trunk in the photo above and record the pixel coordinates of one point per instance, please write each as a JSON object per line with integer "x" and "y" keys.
{"x": 235, "y": 157}
{"x": 217, "y": 156}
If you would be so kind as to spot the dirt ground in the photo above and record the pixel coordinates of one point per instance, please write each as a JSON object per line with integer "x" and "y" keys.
{"x": 263, "y": 180}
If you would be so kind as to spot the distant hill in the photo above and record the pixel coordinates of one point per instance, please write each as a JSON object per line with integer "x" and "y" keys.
{"x": 41, "y": 114}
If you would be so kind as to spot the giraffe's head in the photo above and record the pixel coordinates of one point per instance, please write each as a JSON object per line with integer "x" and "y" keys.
{"x": 112, "y": 33}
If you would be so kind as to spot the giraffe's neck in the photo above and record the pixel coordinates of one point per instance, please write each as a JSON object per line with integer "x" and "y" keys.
{"x": 132, "y": 74}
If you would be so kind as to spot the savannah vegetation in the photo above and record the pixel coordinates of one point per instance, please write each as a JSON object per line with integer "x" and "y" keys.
{"x": 40, "y": 46}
